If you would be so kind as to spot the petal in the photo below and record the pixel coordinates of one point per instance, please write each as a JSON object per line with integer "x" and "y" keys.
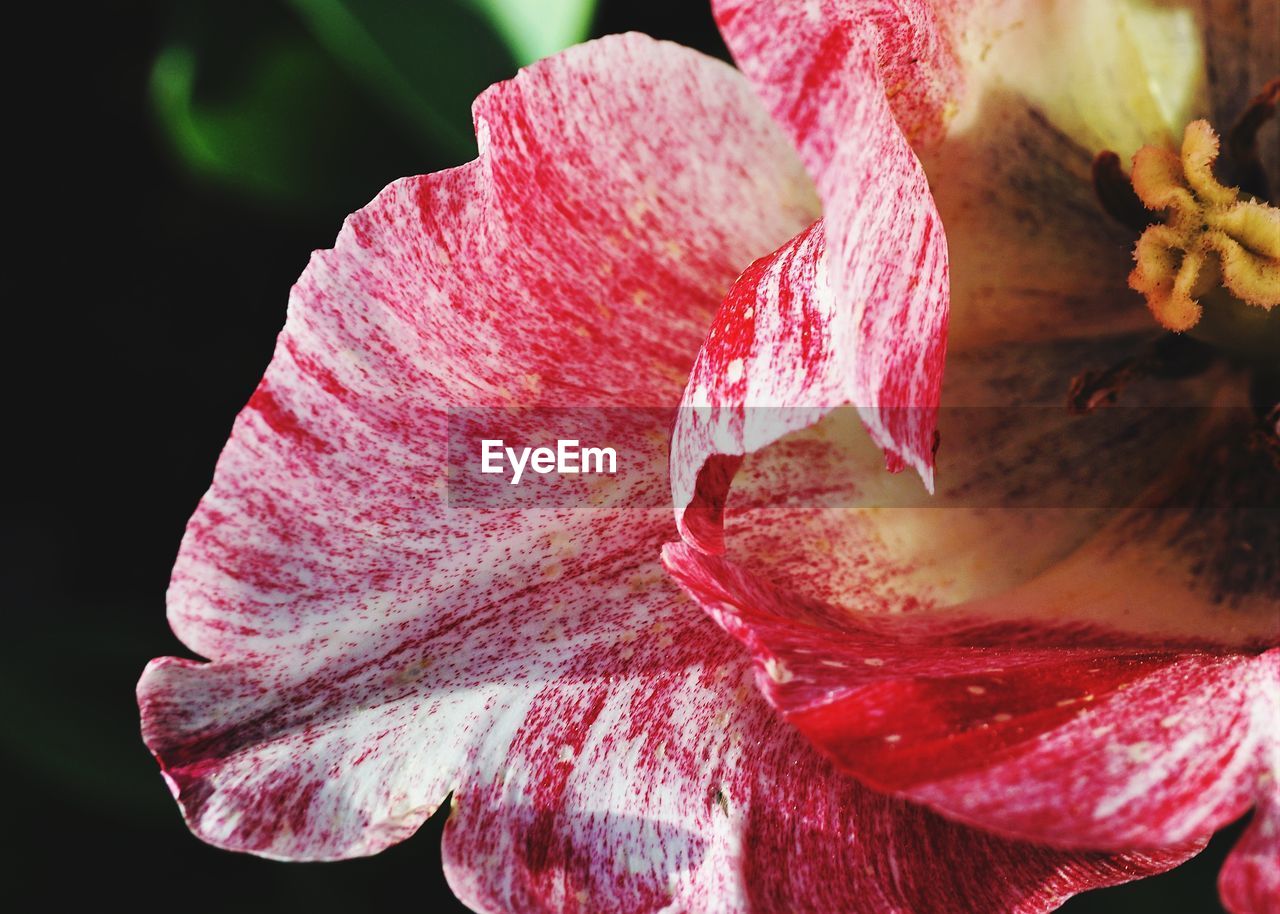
{"x": 361, "y": 626}
{"x": 689, "y": 794}
{"x": 772, "y": 343}
{"x": 800, "y": 57}
{"x": 827, "y": 75}
{"x": 1025, "y": 483}
{"x": 1062, "y": 735}
{"x": 1250, "y": 879}
{"x": 980, "y": 651}
{"x": 1033, "y": 258}
{"x": 1016, "y": 651}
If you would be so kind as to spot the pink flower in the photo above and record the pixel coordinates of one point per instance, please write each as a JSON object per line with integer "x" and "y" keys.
{"x": 1032, "y": 700}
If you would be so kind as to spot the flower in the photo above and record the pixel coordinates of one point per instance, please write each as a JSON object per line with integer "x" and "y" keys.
{"x": 1081, "y": 648}
{"x": 375, "y": 649}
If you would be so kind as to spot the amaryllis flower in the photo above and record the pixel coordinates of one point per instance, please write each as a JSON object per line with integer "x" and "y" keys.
{"x": 1058, "y": 671}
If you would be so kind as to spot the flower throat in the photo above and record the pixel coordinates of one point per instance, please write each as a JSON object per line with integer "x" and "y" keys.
{"x": 1207, "y": 258}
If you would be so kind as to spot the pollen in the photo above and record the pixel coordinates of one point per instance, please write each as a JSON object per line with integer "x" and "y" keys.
{"x": 1211, "y": 236}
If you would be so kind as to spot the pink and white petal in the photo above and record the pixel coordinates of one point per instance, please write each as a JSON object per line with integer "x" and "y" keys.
{"x": 972, "y": 651}
{"x": 1008, "y": 447}
{"x": 1072, "y": 737}
{"x": 840, "y": 78}
{"x": 362, "y": 627}
{"x": 799, "y": 55}
{"x": 1250, "y": 879}
{"x": 776, "y": 360}
{"x": 689, "y": 794}
{"x": 975, "y": 653}
{"x": 1054, "y": 209}
{"x": 768, "y": 367}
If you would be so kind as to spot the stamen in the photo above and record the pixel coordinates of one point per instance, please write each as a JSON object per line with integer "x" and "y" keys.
{"x": 1171, "y": 356}
{"x": 1199, "y": 152}
{"x": 1209, "y": 236}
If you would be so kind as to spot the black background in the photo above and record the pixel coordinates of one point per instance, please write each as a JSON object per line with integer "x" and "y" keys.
{"x": 142, "y": 309}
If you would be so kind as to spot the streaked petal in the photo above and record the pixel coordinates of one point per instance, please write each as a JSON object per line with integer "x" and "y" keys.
{"x": 689, "y": 794}
{"x": 362, "y": 627}
{"x": 1006, "y": 103}
{"x": 1065, "y": 735}
{"x": 974, "y": 650}
{"x": 1250, "y": 879}
{"x": 971, "y": 650}
{"x": 842, "y": 80}
{"x": 1029, "y": 511}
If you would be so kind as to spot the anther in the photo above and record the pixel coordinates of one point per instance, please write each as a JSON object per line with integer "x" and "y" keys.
{"x": 1209, "y": 236}
{"x": 1170, "y": 356}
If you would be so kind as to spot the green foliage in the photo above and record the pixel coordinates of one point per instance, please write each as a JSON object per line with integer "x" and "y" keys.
{"x": 307, "y": 101}
{"x": 424, "y": 62}
{"x": 534, "y": 29}
{"x": 261, "y": 140}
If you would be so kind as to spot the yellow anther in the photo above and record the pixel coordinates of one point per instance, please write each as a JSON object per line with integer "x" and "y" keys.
{"x": 1209, "y": 237}
{"x": 1199, "y": 152}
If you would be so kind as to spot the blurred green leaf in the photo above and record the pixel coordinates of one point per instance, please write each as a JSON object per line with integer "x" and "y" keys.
{"x": 263, "y": 138}
{"x": 273, "y": 98}
{"x": 426, "y": 61}
{"x": 533, "y": 29}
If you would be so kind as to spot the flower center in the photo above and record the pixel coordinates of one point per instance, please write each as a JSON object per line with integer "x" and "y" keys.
{"x": 1212, "y": 237}
{"x": 1207, "y": 260}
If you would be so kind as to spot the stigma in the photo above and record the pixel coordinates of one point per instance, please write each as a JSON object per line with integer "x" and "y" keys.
{"x": 1212, "y": 239}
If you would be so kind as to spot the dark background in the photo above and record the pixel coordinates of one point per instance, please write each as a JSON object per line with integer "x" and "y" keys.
{"x": 143, "y": 305}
